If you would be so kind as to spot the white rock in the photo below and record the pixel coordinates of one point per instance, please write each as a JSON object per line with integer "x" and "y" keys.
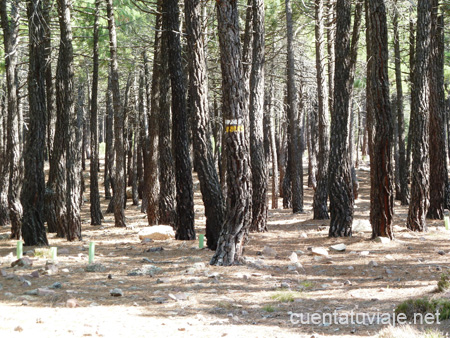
{"x": 382, "y": 240}
{"x": 338, "y": 247}
{"x": 293, "y": 257}
{"x": 157, "y": 232}
{"x": 364, "y": 253}
{"x": 268, "y": 251}
{"x": 360, "y": 225}
{"x": 318, "y": 251}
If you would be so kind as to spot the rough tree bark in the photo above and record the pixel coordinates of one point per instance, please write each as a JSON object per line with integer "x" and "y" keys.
{"x": 234, "y": 233}
{"x": 10, "y": 40}
{"x": 438, "y": 154}
{"x": 320, "y": 206}
{"x": 33, "y": 230}
{"x": 256, "y": 111}
{"x": 198, "y": 93}
{"x": 420, "y": 168}
{"x": 340, "y": 181}
{"x": 402, "y": 166}
{"x": 119, "y": 173}
{"x": 295, "y": 163}
{"x": 184, "y": 223}
{"x": 381, "y": 168}
{"x": 96, "y": 213}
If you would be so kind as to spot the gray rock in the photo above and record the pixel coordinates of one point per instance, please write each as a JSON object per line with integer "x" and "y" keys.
{"x": 160, "y": 300}
{"x": 299, "y": 252}
{"x": 3, "y": 273}
{"x": 145, "y": 270}
{"x": 51, "y": 269}
{"x": 199, "y": 265}
{"x": 95, "y": 267}
{"x": 45, "y": 292}
{"x": 116, "y": 292}
{"x": 389, "y": 271}
{"x": 32, "y": 292}
{"x": 285, "y": 285}
{"x": 26, "y": 283}
{"x": 35, "y": 274}
{"x": 347, "y": 282}
{"x": 29, "y": 253}
{"x": 156, "y": 249}
{"x": 8, "y": 294}
{"x": 56, "y": 285}
{"x": 63, "y": 251}
{"x": 373, "y": 264}
{"x": 441, "y": 252}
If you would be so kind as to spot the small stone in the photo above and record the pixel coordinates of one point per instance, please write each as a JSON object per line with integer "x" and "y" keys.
{"x": 214, "y": 275}
{"x": 24, "y": 302}
{"x": 56, "y": 285}
{"x": 347, "y": 282}
{"x": 268, "y": 251}
{"x": 18, "y": 329}
{"x": 160, "y": 300}
{"x": 35, "y": 274}
{"x": 325, "y": 286}
{"x": 32, "y": 292}
{"x": 51, "y": 269}
{"x": 410, "y": 248}
{"x": 199, "y": 265}
{"x": 390, "y": 257}
{"x": 293, "y": 257}
{"x": 71, "y": 303}
{"x": 116, "y": 292}
{"x": 29, "y": 253}
{"x": 110, "y": 276}
{"x": 65, "y": 270}
{"x": 364, "y": 253}
{"x": 95, "y": 267}
{"x": 26, "y": 283}
{"x": 63, "y": 251}
{"x": 24, "y": 262}
{"x": 156, "y": 249}
{"x": 438, "y": 268}
{"x": 372, "y": 264}
{"x": 285, "y": 285}
{"x": 441, "y": 252}
{"x": 44, "y": 292}
{"x": 318, "y": 251}
{"x": 3, "y": 273}
{"x": 299, "y": 252}
{"x": 389, "y": 271}
{"x": 382, "y": 240}
{"x": 338, "y": 247}
{"x": 351, "y": 268}
{"x": 303, "y": 235}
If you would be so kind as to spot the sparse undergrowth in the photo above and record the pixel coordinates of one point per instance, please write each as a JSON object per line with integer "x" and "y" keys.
{"x": 444, "y": 283}
{"x": 411, "y": 307}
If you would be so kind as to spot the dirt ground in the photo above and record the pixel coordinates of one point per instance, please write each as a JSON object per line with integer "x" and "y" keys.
{"x": 188, "y": 297}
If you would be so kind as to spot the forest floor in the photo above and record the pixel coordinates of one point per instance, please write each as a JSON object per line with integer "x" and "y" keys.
{"x": 188, "y": 297}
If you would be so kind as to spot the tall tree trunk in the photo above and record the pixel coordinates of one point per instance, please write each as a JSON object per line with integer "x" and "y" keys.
{"x": 381, "y": 169}
{"x": 167, "y": 191}
{"x": 4, "y": 165}
{"x": 420, "y": 169}
{"x": 402, "y": 165}
{"x": 273, "y": 147}
{"x": 66, "y": 102}
{"x": 33, "y": 230}
{"x": 119, "y": 174}
{"x": 184, "y": 223}
{"x": 96, "y": 213}
{"x": 49, "y": 87}
{"x": 331, "y": 37}
{"x": 321, "y": 194}
{"x": 109, "y": 147}
{"x": 10, "y": 39}
{"x": 340, "y": 182}
{"x": 198, "y": 92}
{"x": 412, "y": 62}
{"x": 258, "y": 161}
{"x": 234, "y": 233}
{"x": 438, "y": 154}
{"x": 295, "y": 161}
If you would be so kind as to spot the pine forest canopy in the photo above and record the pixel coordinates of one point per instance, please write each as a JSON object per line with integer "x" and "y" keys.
{"x": 243, "y": 93}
